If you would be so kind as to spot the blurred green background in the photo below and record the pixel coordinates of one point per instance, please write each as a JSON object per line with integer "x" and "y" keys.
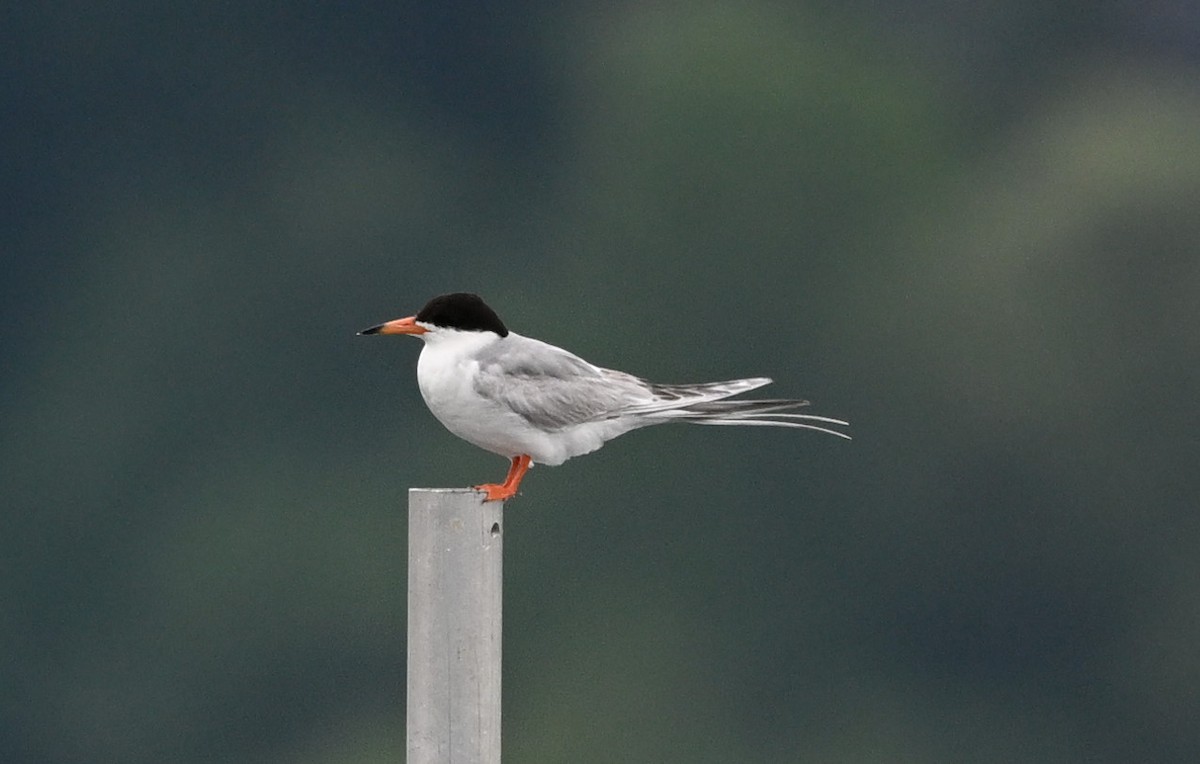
{"x": 971, "y": 229}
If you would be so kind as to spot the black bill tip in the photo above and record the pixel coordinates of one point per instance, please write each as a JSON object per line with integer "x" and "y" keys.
{"x": 371, "y": 330}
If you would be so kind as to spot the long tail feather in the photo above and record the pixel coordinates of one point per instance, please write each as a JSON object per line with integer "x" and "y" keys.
{"x": 807, "y": 417}
{"x": 707, "y": 404}
{"x": 680, "y": 397}
{"x": 757, "y": 406}
{"x": 751, "y": 422}
{"x": 713, "y": 408}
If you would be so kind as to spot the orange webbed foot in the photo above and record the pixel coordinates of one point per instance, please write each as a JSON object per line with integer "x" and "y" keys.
{"x": 496, "y": 492}
{"x": 508, "y": 489}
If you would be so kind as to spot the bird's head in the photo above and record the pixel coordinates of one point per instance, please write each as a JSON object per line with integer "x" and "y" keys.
{"x": 459, "y": 312}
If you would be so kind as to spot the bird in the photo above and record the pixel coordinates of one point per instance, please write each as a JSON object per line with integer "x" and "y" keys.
{"x": 533, "y": 402}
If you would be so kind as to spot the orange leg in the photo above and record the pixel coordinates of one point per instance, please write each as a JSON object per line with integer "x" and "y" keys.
{"x": 520, "y": 465}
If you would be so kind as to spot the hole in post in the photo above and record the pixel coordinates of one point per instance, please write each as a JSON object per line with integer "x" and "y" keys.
{"x": 495, "y": 529}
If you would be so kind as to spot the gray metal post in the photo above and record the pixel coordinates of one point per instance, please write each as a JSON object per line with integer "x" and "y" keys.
{"x": 455, "y": 566}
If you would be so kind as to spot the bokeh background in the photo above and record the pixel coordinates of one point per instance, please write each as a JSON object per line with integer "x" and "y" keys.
{"x": 971, "y": 229}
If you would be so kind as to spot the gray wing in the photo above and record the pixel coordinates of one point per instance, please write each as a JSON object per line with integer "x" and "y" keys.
{"x": 553, "y": 389}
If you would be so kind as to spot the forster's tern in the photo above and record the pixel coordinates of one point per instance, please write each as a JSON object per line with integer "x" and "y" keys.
{"x": 533, "y": 402}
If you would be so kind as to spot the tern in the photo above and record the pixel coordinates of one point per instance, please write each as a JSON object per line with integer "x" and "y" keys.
{"x": 532, "y": 402}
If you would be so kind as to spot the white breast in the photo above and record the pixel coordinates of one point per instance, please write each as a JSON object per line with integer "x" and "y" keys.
{"x": 446, "y": 371}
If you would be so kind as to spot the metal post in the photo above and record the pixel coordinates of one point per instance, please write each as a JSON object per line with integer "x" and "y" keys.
{"x": 455, "y": 556}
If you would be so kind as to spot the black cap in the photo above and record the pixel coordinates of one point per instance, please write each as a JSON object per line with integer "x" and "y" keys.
{"x": 463, "y": 311}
